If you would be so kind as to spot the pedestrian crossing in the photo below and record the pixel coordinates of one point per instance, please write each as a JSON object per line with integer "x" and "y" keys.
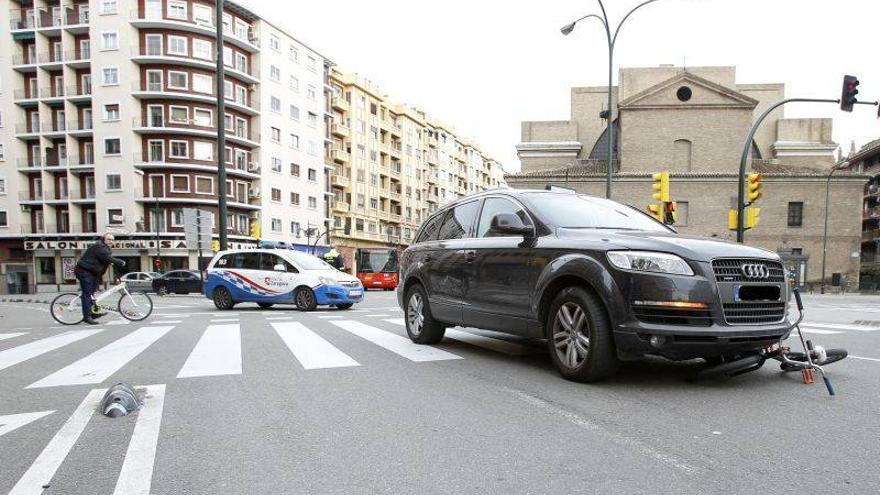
{"x": 823, "y": 328}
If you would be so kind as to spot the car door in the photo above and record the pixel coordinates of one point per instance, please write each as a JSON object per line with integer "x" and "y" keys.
{"x": 450, "y": 264}
{"x": 499, "y": 295}
{"x": 279, "y": 285}
{"x": 193, "y": 282}
{"x": 140, "y": 282}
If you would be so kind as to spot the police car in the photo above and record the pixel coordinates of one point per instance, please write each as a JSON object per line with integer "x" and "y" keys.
{"x": 277, "y": 276}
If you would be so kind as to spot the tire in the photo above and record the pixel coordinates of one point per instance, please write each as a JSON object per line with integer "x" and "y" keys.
{"x": 304, "y": 298}
{"x": 66, "y": 308}
{"x": 223, "y": 299}
{"x": 162, "y": 291}
{"x": 580, "y": 341}
{"x": 832, "y": 356}
{"x": 421, "y": 327}
{"x": 265, "y": 305}
{"x": 135, "y": 306}
{"x": 344, "y": 306}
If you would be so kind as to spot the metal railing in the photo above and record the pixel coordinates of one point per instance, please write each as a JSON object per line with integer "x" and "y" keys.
{"x": 27, "y": 128}
{"x": 250, "y": 36}
{"x": 78, "y": 91}
{"x": 30, "y": 195}
{"x": 35, "y": 162}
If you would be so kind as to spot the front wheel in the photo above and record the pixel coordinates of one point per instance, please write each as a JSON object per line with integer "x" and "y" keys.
{"x": 223, "y": 299}
{"x": 581, "y": 345}
{"x": 162, "y": 291}
{"x": 135, "y": 306}
{"x": 305, "y": 300}
{"x": 66, "y": 308}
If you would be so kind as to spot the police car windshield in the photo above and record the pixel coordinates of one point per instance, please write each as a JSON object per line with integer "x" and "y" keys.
{"x": 309, "y": 262}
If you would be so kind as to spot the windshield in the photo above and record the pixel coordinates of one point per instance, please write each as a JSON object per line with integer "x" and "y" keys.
{"x": 371, "y": 261}
{"x": 575, "y": 211}
{"x": 309, "y": 262}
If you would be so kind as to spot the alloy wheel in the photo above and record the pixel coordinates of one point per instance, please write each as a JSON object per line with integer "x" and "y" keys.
{"x": 414, "y": 313}
{"x": 571, "y": 335}
{"x": 304, "y": 299}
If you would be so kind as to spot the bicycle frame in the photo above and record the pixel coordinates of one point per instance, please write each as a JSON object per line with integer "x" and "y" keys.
{"x": 121, "y": 287}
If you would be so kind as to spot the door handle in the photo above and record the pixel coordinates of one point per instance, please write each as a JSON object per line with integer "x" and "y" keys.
{"x": 428, "y": 259}
{"x": 470, "y": 255}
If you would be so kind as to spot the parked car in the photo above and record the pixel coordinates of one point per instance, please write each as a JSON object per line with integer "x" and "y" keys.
{"x": 140, "y": 281}
{"x": 279, "y": 276}
{"x": 178, "y": 282}
{"x": 601, "y": 281}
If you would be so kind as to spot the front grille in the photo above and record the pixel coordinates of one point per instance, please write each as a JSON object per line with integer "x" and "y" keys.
{"x": 728, "y": 270}
{"x": 673, "y": 316}
{"x": 347, "y": 283}
{"x": 754, "y": 313}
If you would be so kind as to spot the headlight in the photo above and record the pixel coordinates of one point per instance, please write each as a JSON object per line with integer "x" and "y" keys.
{"x": 327, "y": 281}
{"x": 649, "y": 261}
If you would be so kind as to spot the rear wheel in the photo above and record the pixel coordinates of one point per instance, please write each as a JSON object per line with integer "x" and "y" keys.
{"x": 305, "y": 300}
{"x": 421, "y": 327}
{"x": 162, "y": 291}
{"x": 265, "y": 305}
{"x": 581, "y": 345}
{"x": 223, "y": 299}
{"x": 831, "y": 356}
{"x": 66, "y": 309}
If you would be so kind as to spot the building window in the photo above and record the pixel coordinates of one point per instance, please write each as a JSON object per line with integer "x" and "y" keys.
{"x": 313, "y": 148}
{"x": 795, "y": 214}
{"x": 294, "y": 169}
{"x": 177, "y": 80}
{"x": 293, "y": 54}
{"x": 111, "y": 76}
{"x": 294, "y": 141}
{"x": 294, "y": 84}
{"x": 275, "y": 73}
{"x": 111, "y": 112}
{"x": 110, "y": 41}
{"x": 274, "y": 43}
{"x": 313, "y": 175}
{"x": 276, "y": 135}
{"x": 313, "y": 202}
{"x": 294, "y": 199}
{"x": 179, "y": 149}
{"x": 204, "y": 185}
{"x": 180, "y": 183}
{"x": 276, "y": 164}
{"x": 313, "y": 64}
{"x": 177, "y": 9}
{"x": 294, "y": 228}
{"x": 203, "y": 49}
{"x": 374, "y": 204}
{"x": 177, "y": 45}
{"x": 275, "y": 104}
{"x": 203, "y": 84}
{"x": 2, "y": 153}
{"x": 276, "y": 225}
{"x": 312, "y": 93}
{"x": 112, "y": 147}
{"x": 2, "y": 186}
{"x": 313, "y": 119}
{"x": 4, "y": 220}
{"x": 276, "y": 195}
{"x": 114, "y": 216}
{"x": 114, "y": 182}
{"x": 109, "y": 6}
{"x": 294, "y": 112}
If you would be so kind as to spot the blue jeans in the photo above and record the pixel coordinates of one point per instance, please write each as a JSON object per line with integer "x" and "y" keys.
{"x": 88, "y": 284}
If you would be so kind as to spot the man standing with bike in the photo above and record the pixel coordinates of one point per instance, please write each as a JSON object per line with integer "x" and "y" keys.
{"x": 89, "y": 270}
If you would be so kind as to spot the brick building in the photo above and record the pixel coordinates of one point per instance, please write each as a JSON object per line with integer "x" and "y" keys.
{"x": 692, "y": 122}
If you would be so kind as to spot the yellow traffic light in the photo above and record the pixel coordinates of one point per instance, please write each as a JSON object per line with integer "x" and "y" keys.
{"x": 731, "y": 219}
{"x": 656, "y": 211}
{"x": 215, "y": 245}
{"x": 255, "y": 228}
{"x": 754, "y": 188}
{"x": 753, "y": 215}
{"x": 660, "y": 187}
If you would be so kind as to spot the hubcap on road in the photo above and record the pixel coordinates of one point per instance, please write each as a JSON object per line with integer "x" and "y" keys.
{"x": 414, "y": 314}
{"x": 570, "y": 337}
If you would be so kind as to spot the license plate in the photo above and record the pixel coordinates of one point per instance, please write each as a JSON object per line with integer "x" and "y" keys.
{"x": 354, "y": 293}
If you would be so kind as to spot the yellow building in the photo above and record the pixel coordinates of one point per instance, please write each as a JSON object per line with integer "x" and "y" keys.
{"x": 392, "y": 166}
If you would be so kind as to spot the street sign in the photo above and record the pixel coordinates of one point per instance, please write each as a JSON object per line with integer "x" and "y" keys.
{"x": 198, "y": 226}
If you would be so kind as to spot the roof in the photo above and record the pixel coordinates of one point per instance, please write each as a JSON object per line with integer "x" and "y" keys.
{"x": 868, "y": 150}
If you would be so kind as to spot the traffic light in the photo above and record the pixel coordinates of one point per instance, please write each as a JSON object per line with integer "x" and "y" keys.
{"x": 754, "y": 188}
{"x": 849, "y": 92}
{"x": 255, "y": 228}
{"x": 753, "y": 215}
{"x": 215, "y": 245}
{"x": 157, "y": 264}
{"x": 669, "y": 215}
{"x": 656, "y": 211}
{"x": 661, "y": 186}
{"x": 731, "y": 219}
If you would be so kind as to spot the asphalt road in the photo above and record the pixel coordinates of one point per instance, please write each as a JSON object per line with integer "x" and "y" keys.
{"x": 254, "y": 401}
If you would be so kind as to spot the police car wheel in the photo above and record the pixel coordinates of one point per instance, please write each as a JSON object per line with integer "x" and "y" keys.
{"x": 223, "y": 299}
{"x": 305, "y": 299}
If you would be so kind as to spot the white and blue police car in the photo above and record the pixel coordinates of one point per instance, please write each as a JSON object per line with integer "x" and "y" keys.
{"x": 278, "y": 276}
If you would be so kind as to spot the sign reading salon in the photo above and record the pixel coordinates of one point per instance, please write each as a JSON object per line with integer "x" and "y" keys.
{"x": 136, "y": 244}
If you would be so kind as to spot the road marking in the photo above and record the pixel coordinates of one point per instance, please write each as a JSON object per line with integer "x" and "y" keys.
{"x": 493, "y": 344}
{"x": 12, "y": 422}
{"x": 865, "y": 358}
{"x": 310, "y": 349}
{"x": 395, "y": 343}
{"x": 171, "y": 321}
{"x": 327, "y": 317}
{"x": 44, "y": 467}
{"x": 818, "y": 331}
{"x": 378, "y": 315}
{"x": 16, "y": 355}
{"x": 225, "y": 320}
{"x": 839, "y": 326}
{"x": 4, "y": 336}
{"x": 218, "y": 352}
{"x": 136, "y": 474}
{"x": 99, "y": 365}
{"x": 117, "y": 322}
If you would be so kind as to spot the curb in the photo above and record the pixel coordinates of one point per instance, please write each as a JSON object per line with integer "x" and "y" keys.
{"x": 23, "y": 300}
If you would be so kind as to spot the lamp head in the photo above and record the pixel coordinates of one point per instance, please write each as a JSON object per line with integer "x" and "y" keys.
{"x": 568, "y": 28}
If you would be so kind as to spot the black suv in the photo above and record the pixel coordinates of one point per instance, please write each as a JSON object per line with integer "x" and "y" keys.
{"x": 601, "y": 281}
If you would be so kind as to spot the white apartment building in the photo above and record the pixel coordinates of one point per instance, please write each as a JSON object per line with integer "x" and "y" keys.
{"x": 108, "y": 121}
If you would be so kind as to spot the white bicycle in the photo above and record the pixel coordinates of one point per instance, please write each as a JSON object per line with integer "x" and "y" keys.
{"x": 66, "y": 308}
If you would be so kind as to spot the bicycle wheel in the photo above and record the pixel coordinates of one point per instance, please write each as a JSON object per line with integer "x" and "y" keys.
{"x": 135, "y": 306}
{"x": 832, "y": 356}
{"x": 66, "y": 308}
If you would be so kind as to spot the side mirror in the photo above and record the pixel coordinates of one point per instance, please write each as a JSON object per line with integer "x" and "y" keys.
{"x": 509, "y": 223}
{"x": 280, "y": 267}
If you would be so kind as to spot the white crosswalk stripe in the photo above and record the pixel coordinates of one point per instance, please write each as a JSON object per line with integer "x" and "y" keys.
{"x": 136, "y": 474}
{"x": 4, "y": 336}
{"x": 395, "y": 343}
{"x": 817, "y": 331}
{"x": 98, "y": 366}
{"x": 842, "y": 326}
{"x": 12, "y": 422}
{"x": 493, "y": 344}
{"x": 311, "y": 350}
{"x": 218, "y": 352}
{"x": 40, "y": 473}
{"x": 22, "y": 353}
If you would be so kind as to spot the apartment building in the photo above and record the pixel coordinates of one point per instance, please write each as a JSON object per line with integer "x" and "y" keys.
{"x": 108, "y": 121}
{"x": 393, "y": 165}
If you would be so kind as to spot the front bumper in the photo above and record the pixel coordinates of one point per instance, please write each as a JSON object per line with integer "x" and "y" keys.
{"x": 336, "y": 294}
{"x": 692, "y": 332}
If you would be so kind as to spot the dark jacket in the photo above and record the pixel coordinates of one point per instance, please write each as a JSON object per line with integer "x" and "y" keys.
{"x": 97, "y": 258}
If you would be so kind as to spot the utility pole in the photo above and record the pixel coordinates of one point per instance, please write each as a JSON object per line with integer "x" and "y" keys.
{"x": 221, "y": 127}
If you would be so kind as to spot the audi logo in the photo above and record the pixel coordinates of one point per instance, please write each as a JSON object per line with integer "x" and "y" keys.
{"x": 754, "y": 270}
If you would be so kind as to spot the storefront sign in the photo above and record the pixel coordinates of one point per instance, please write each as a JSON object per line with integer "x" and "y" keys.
{"x": 130, "y": 244}
{"x": 67, "y": 266}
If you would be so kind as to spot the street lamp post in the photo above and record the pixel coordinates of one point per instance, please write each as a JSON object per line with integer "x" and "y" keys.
{"x": 825, "y": 228}
{"x": 612, "y": 39}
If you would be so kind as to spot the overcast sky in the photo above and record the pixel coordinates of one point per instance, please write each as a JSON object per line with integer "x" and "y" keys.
{"x": 485, "y": 66}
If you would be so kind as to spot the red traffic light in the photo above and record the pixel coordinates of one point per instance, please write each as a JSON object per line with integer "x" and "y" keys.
{"x": 670, "y": 206}
{"x": 849, "y": 92}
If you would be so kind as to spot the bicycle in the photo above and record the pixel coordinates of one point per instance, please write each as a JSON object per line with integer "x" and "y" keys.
{"x": 66, "y": 308}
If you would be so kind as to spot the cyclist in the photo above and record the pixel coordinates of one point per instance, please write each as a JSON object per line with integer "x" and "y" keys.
{"x": 89, "y": 270}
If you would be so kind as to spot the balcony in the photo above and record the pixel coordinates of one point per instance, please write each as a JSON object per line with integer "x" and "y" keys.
{"x": 30, "y": 196}
{"x": 340, "y": 156}
{"x": 24, "y": 62}
{"x": 79, "y": 128}
{"x": 147, "y": 91}
{"x": 871, "y": 235}
{"x": 55, "y": 164}
{"x": 340, "y": 130}
{"x": 27, "y": 130}
{"x": 78, "y": 59}
{"x": 87, "y": 196}
{"x": 341, "y": 206}
{"x": 78, "y": 93}
{"x": 340, "y": 180}
{"x": 339, "y": 103}
{"x": 53, "y": 128}
{"x": 249, "y": 73}
{"x": 29, "y": 165}
{"x": 244, "y": 38}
